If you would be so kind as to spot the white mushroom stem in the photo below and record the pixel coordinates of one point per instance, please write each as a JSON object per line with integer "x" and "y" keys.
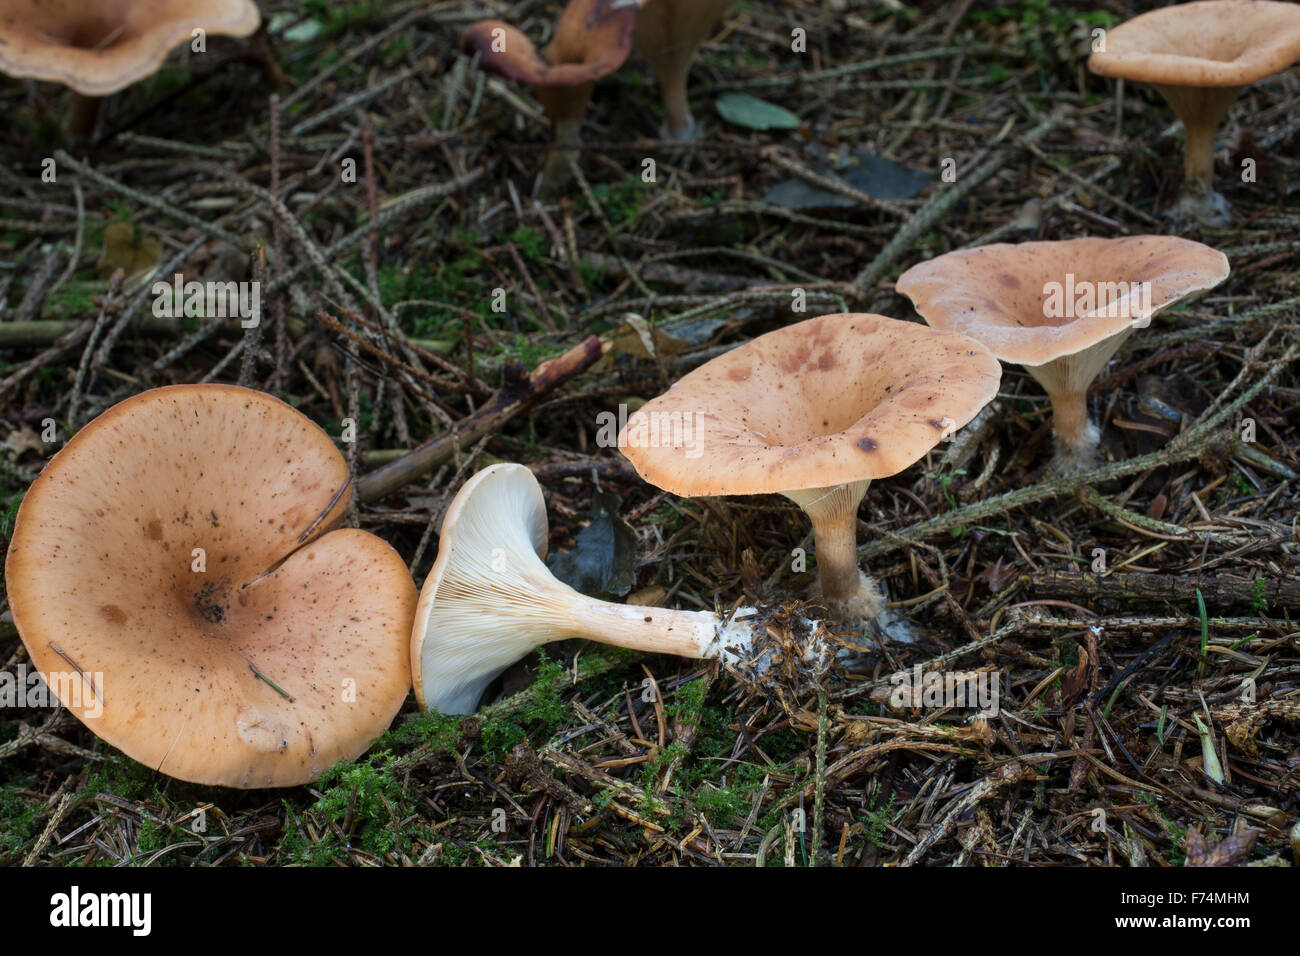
{"x": 1066, "y": 382}
{"x": 490, "y": 600}
{"x": 834, "y": 515}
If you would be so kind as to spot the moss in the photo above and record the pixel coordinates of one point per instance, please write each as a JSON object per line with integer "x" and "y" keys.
{"x": 544, "y": 713}
{"x": 18, "y": 820}
{"x": 122, "y": 777}
{"x": 361, "y": 801}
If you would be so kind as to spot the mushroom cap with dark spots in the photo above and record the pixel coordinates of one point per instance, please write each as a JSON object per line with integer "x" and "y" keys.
{"x": 999, "y": 293}
{"x": 227, "y": 652}
{"x": 592, "y": 39}
{"x": 98, "y": 47}
{"x": 839, "y": 398}
{"x": 1208, "y": 43}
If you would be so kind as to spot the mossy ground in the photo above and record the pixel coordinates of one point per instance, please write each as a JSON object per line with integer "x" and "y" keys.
{"x": 653, "y": 760}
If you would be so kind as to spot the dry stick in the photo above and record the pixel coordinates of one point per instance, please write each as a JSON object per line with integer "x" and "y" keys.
{"x": 389, "y": 211}
{"x": 70, "y": 340}
{"x": 519, "y": 394}
{"x": 1139, "y": 586}
{"x": 353, "y": 55}
{"x": 145, "y": 199}
{"x": 252, "y": 341}
{"x": 162, "y": 271}
{"x": 925, "y": 218}
{"x": 22, "y": 335}
{"x": 76, "y": 248}
{"x": 866, "y": 66}
{"x": 290, "y": 223}
{"x": 1176, "y": 336}
{"x": 1191, "y": 444}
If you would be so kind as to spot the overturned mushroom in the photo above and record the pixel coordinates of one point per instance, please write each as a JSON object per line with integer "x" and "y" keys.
{"x": 98, "y": 47}
{"x": 169, "y": 572}
{"x": 814, "y": 411}
{"x": 489, "y": 599}
{"x": 1199, "y": 55}
{"x": 593, "y": 39}
{"x": 1061, "y": 309}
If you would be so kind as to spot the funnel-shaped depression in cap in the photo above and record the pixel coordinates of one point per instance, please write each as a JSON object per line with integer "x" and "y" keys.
{"x": 159, "y": 553}
{"x": 98, "y": 47}
{"x": 1034, "y": 302}
{"x": 835, "y": 399}
{"x": 1208, "y": 43}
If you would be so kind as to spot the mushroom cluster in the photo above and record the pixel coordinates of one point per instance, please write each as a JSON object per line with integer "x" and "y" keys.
{"x": 175, "y": 561}
{"x": 592, "y": 39}
{"x": 98, "y": 47}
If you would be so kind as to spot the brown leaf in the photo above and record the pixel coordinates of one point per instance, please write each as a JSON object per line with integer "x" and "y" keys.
{"x": 1230, "y": 851}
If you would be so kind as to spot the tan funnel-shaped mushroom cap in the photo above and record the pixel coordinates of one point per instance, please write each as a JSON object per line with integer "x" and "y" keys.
{"x": 160, "y": 554}
{"x": 1061, "y": 309}
{"x": 833, "y": 399}
{"x": 1023, "y": 300}
{"x": 814, "y": 411}
{"x": 1206, "y": 43}
{"x": 98, "y": 47}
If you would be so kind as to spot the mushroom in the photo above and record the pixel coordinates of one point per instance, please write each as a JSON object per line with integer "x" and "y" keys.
{"x": 1029, "y": 305}
{"x": 98, "y": 47}
{"x": 668, "y": 35}
{"x": 168, "y": 570}
{"x": 814, "y": 411}
{"x": 1199, "y": 55}
{"x": 593, "y": 39}
{"x": 489, "y": 600}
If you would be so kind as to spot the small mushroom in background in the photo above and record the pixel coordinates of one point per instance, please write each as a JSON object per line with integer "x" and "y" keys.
{"x": 1061, "y": 309}
{"x": 593, "y": 38}
{"x": 489, "y": 600}
{"x": 98, "y": 47}
{"x": 814, "y": 412}
{"x": 170, "y": 578}
{"x": 1199, "y": 56}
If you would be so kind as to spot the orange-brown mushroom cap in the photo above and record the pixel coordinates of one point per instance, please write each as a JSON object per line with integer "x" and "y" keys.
{"x": 1207, "y": 43}
{"x": 98, "y": 47}
{"x": 997, "y": 293}
{"x": 592, "y": 39}
{"x": 273, "y": 662}
{"x": 839, "y": 398}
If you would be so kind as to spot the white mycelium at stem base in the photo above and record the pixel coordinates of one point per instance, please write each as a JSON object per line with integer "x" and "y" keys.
{"x": 834, "y": 516}
{"x": 490, "y": 599}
